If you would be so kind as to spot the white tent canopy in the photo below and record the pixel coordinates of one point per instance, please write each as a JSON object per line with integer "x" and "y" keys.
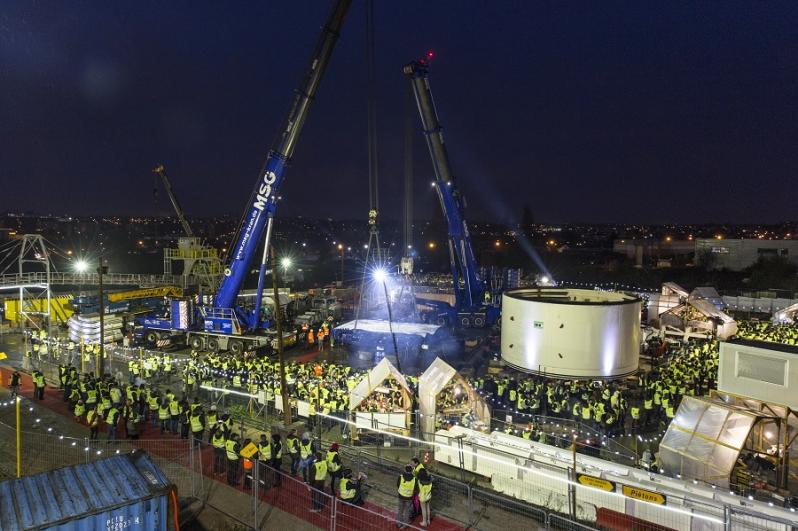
{"x": 382, "y": 327}
{"x": 432, "y": 382}
{"x": 374, "y": 379}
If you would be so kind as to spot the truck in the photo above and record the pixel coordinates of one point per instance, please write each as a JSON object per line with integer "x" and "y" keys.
{"x": 225, "y": 323}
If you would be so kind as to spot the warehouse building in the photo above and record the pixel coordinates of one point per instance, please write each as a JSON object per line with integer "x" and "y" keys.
{"x": 736, "y": 255}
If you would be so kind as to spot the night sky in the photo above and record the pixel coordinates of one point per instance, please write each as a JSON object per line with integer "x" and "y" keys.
{"x": 587, "y": 111}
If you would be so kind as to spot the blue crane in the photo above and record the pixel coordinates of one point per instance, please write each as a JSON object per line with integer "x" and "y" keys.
{"x": 263, "y": 201}
{"x": 224, "y": 323}
{"x": 470, "y": 306}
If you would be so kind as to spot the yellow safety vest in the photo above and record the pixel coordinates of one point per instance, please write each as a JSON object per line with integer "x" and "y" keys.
{"x": 292, "y": 444}
{"x": 163, "y": 413}
{"x": 265, "y": 451}
{"x": 218, "y": 439}
{"x": 425, "y": 492}
{"x": 635, "y": 411}
{"x": 112, "y": 417}
{"x": 230, "y": 446}
{"x": 331, "y": 464}
{"x": 80, "y": 409}
{"x": 196, "y": 424}
{"x": 305, "y": 450}
{"x": 406, "y": 487}
{"x": 320, "y": 470}
{"x": 346, "y": 492}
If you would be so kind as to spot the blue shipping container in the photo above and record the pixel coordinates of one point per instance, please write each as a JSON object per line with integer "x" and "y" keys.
{"x": 114, "y": 494}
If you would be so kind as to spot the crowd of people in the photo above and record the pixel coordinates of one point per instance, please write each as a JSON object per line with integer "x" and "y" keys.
{"x": 148, "y": 400}
{"x": 609, "y": 407}
{"x": 786, "y": 333}
{"x": 132, "y": 409}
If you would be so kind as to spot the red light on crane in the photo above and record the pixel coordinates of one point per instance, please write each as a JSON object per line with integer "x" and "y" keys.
{"x": 430, "y": 54}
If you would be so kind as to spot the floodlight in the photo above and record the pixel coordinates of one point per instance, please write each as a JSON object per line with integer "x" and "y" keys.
{"x": 379, "y": 274}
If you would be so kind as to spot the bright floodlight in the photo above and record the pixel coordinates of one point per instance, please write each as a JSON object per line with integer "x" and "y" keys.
{"x": 81, "y": 266}
{"x": 544, "y": 279}
{"x": 285, "y": 262}
{"x": 379, "y": 274}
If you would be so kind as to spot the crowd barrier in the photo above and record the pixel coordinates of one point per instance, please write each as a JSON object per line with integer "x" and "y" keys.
{"x": 540, "y": 494}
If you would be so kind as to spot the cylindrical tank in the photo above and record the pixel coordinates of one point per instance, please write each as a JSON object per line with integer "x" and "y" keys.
{"x": 571, "y": 333}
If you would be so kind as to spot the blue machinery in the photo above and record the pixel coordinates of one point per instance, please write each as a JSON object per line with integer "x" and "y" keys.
{"x": 224, "y": 318}
{"x": 471, "y": 308}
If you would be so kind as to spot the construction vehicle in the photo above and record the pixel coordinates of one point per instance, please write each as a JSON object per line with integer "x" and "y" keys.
{"x": 474, "y": 305}
{"x": 225, "y": 324}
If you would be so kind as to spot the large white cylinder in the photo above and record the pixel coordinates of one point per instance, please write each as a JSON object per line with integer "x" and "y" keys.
{"x": 571, "y": 333}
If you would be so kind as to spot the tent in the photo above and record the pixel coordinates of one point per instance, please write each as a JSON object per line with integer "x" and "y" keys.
{"x": 708, "y": 294}
{"x": 430, "y": 385}
{"x": 672, "y": 288}
{"x": 372, "y": 382}
{"x": 698, "y": 315}
{"x": 707, "y": 436}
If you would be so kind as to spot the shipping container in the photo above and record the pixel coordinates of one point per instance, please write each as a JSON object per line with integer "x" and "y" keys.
{"x": 114, "y": 494}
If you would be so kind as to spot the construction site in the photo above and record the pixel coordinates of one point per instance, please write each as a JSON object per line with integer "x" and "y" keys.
{"x": 366, "y": 379}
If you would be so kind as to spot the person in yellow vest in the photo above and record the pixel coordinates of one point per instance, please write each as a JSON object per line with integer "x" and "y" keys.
{"x": 153, "y": 402}
{"x": 38, "y": 385}
{"x": 334, "y": 466}
{"x": 175, "y": 410}
{"x": 319, "y": 477}
{"x": 112, "y": 420}
{"x": 306, "y": 453}
{"x": 197, "y": 420}
{"x": 350, "y": 488}
{"x": 79, "y": 411}
{"x": 292, "y": 442}
{"x": 424, "y": 496}
{"x": 164, "y": 416}
{"x": 218, "y": 440}
{"x": 232, "y": 449}
{"x": 406, "y": 487}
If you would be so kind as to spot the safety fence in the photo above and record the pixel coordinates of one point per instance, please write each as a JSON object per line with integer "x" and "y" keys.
{"x": 535, "y": 494}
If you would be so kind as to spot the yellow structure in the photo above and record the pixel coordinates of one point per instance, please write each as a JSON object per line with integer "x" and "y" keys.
{"x": 164, "y": 291}
{"x": 59, "y": 308}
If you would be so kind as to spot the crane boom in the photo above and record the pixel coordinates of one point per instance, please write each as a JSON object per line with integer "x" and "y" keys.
{"x": 263, "y": 201}
{"x": 161, "y": 172}
{"x": 461, "y": 254}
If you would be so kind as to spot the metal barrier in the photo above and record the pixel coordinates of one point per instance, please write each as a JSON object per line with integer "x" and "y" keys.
{"x": 555, "y": 521}
{"x": 493, "y": 511}
{"x": 466, "y": 502}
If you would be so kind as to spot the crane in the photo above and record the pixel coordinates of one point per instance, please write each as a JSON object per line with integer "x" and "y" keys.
{"x": 161, "y": 172}
{"x": 224, "y": 318}
{"x": 469, "y": 289}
